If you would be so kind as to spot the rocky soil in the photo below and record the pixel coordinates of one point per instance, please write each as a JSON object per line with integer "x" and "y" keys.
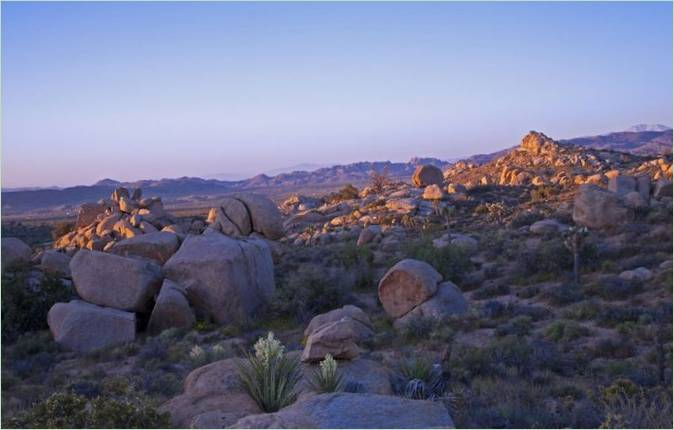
{"x": 447, "y": 300}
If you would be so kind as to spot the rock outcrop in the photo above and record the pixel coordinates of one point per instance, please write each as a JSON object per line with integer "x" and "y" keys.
{"x": 595, "y": 207}
{"x": 122, "y": 283}
{"x": 84, "y": 327}
{"x": 14, "y": 252}
{"x": 426, "y": 175}
{"x": 406, "y": 285}
{"x": 158, "y": 246}
{"x": 351, "y": 410}
{"x": 225, "y": 279}
{"x": 171, "y": 309}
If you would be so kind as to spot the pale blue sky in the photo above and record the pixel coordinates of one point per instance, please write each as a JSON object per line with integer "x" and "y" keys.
{"x": 150, "y": 90}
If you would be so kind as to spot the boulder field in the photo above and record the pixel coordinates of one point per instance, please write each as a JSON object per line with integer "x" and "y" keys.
{"x": 155, "y": 280}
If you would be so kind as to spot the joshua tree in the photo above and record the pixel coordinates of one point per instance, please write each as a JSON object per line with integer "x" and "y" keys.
{"x": 573, "y": 240}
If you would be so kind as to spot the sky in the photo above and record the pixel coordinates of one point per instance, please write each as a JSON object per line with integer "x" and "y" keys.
{"x": 151, "y": 90}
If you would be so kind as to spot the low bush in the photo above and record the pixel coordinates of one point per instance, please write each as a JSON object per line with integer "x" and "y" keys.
{"x": 563, "y": 294}
{"x": 450, "y": 261}
{"x": 518, "y": 326}
{"x": 311, "y": 290}
{"x": 25, "y": 308}
{"x": 68, "y": 410}
{"x": 490, "y": 291}
{"x": 565, "y": 331}
{"x": 585, "y": 310}
{"x": 612, "y": 288}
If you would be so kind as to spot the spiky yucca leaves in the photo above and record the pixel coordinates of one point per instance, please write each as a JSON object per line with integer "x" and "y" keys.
{"x": 269, "y": 376}
{"x": 327, "y": 379}
{"x": 418, "y": 379}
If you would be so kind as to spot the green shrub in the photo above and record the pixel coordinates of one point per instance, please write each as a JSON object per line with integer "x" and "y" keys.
{"x": 525, "y": 218}
{"x": 450, "y": 261}
{"x": 518, "y": 326}
{"x": 563, "y": 294}
{"x": 542, "y": 193}
{"x": 327, "y": 379}
{"x": 269, "y": 376}
{"x": 641, "y": 409}
{"x": 68, "y": 410}
{"x": 24, "y": 308}
{"x": 565, "y": 331}
{"x": 490, "y": 291}
{"x": 61, "y": 229}
{"x": 348, "y": 192}
{"x": 585, "y": 310}
{"x": 312, "y": 289}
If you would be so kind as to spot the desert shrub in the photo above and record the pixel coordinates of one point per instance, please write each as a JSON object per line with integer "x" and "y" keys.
{"x": 418, "y": 328}
{"x": 32, "y": 234}
{"x": 417, "y": 378}
{"x": 565, "y": 331}
{"x": 61, "y": 229}
{"x": 585, "y": 310}
{"x": 68, "y": 410}
{"x": 525, "y": 218}
{"x": 542, "y": 193}
{"x": 161, "y": 382}
{"x": 611, "y": 316}
{"x": 327, "y": 378}
{"x": 563, "y": 294}
{"x": 527, "y": 292}
{"x": 450, "y": 261}
{"x": 614, "y": 348}
{"x": 629, "y": 408}
{"x": 358, "y": 261}
{"x": 310, "y": 290}
{"x": 518, "y": 326}
{"x": 269, "y": 376}
{"x": 490, "y": 291}
{"x": 551, "y": 258}
{"x": 32, "y": 354}
{"x": 379, "y": 180}
{"x": 25, "y": 308}
{"x": 613, "y": 288}
{"x": 348, "y": 192}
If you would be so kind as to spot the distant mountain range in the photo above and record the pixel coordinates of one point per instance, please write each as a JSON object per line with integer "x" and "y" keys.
{"x": 650, "y": 140}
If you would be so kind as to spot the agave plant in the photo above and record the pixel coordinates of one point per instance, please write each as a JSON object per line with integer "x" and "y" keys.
{"x": 327, "y": 379}
{"x": 269, "y": 376}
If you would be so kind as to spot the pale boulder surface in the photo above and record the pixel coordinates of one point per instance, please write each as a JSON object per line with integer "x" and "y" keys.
{"x": 118, "y": 282}
{"x": 406, "y": 285}
{"x": 351, "y": 410}
{"x": 14, "y": 252}
{"x": 338, "y": 338}
{"x": 595, "y": 207}
{"x": 84, "y": 327}
{"x": 426, "y": 175}
{"x": 158, "y": 246}
{"x": 264, "y": 215}
{"x": 55, "y": 262}
{"x": 446, "y": 302}
{"x": 171, "y": 310}
{"x": 225, "y": 279}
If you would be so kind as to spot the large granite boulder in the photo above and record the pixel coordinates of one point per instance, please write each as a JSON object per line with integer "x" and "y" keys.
{"x": 158, "y": 246}
{"x": 426, "y": 175}
{"x": 231, "y": 218}
{"x": 14, "y": 252}
{"x": 264, "y": 215}
{"x": 347, "y": 311}
{"x": 84, "y": 327}
{"x": 351, "y": 410}
{"x": 406, "y": 285}
{"x": 225, "y": 279}
{"x": 171, "y": 309}
{"x": 446, "y": 302}
{"x": 55, "y": 262}
{"x": 123, "y": 283}
{"x": 595, "y": 207}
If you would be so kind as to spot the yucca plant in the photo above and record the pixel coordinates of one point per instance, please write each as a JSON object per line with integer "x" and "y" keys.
{"x": 269, "y": 376}
{"x": 418, "y": 379}
{"x": 327, "y": 379}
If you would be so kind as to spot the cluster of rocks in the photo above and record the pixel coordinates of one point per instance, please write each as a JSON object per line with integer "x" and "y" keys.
{"x": 539, "y": 160}
{"x": 599, "y": 207}
{"x": 124, "y": 215}
{"x": 413, "y": 289}
{"x": 166, "y": 278}
{"x": 338, "y": 332}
